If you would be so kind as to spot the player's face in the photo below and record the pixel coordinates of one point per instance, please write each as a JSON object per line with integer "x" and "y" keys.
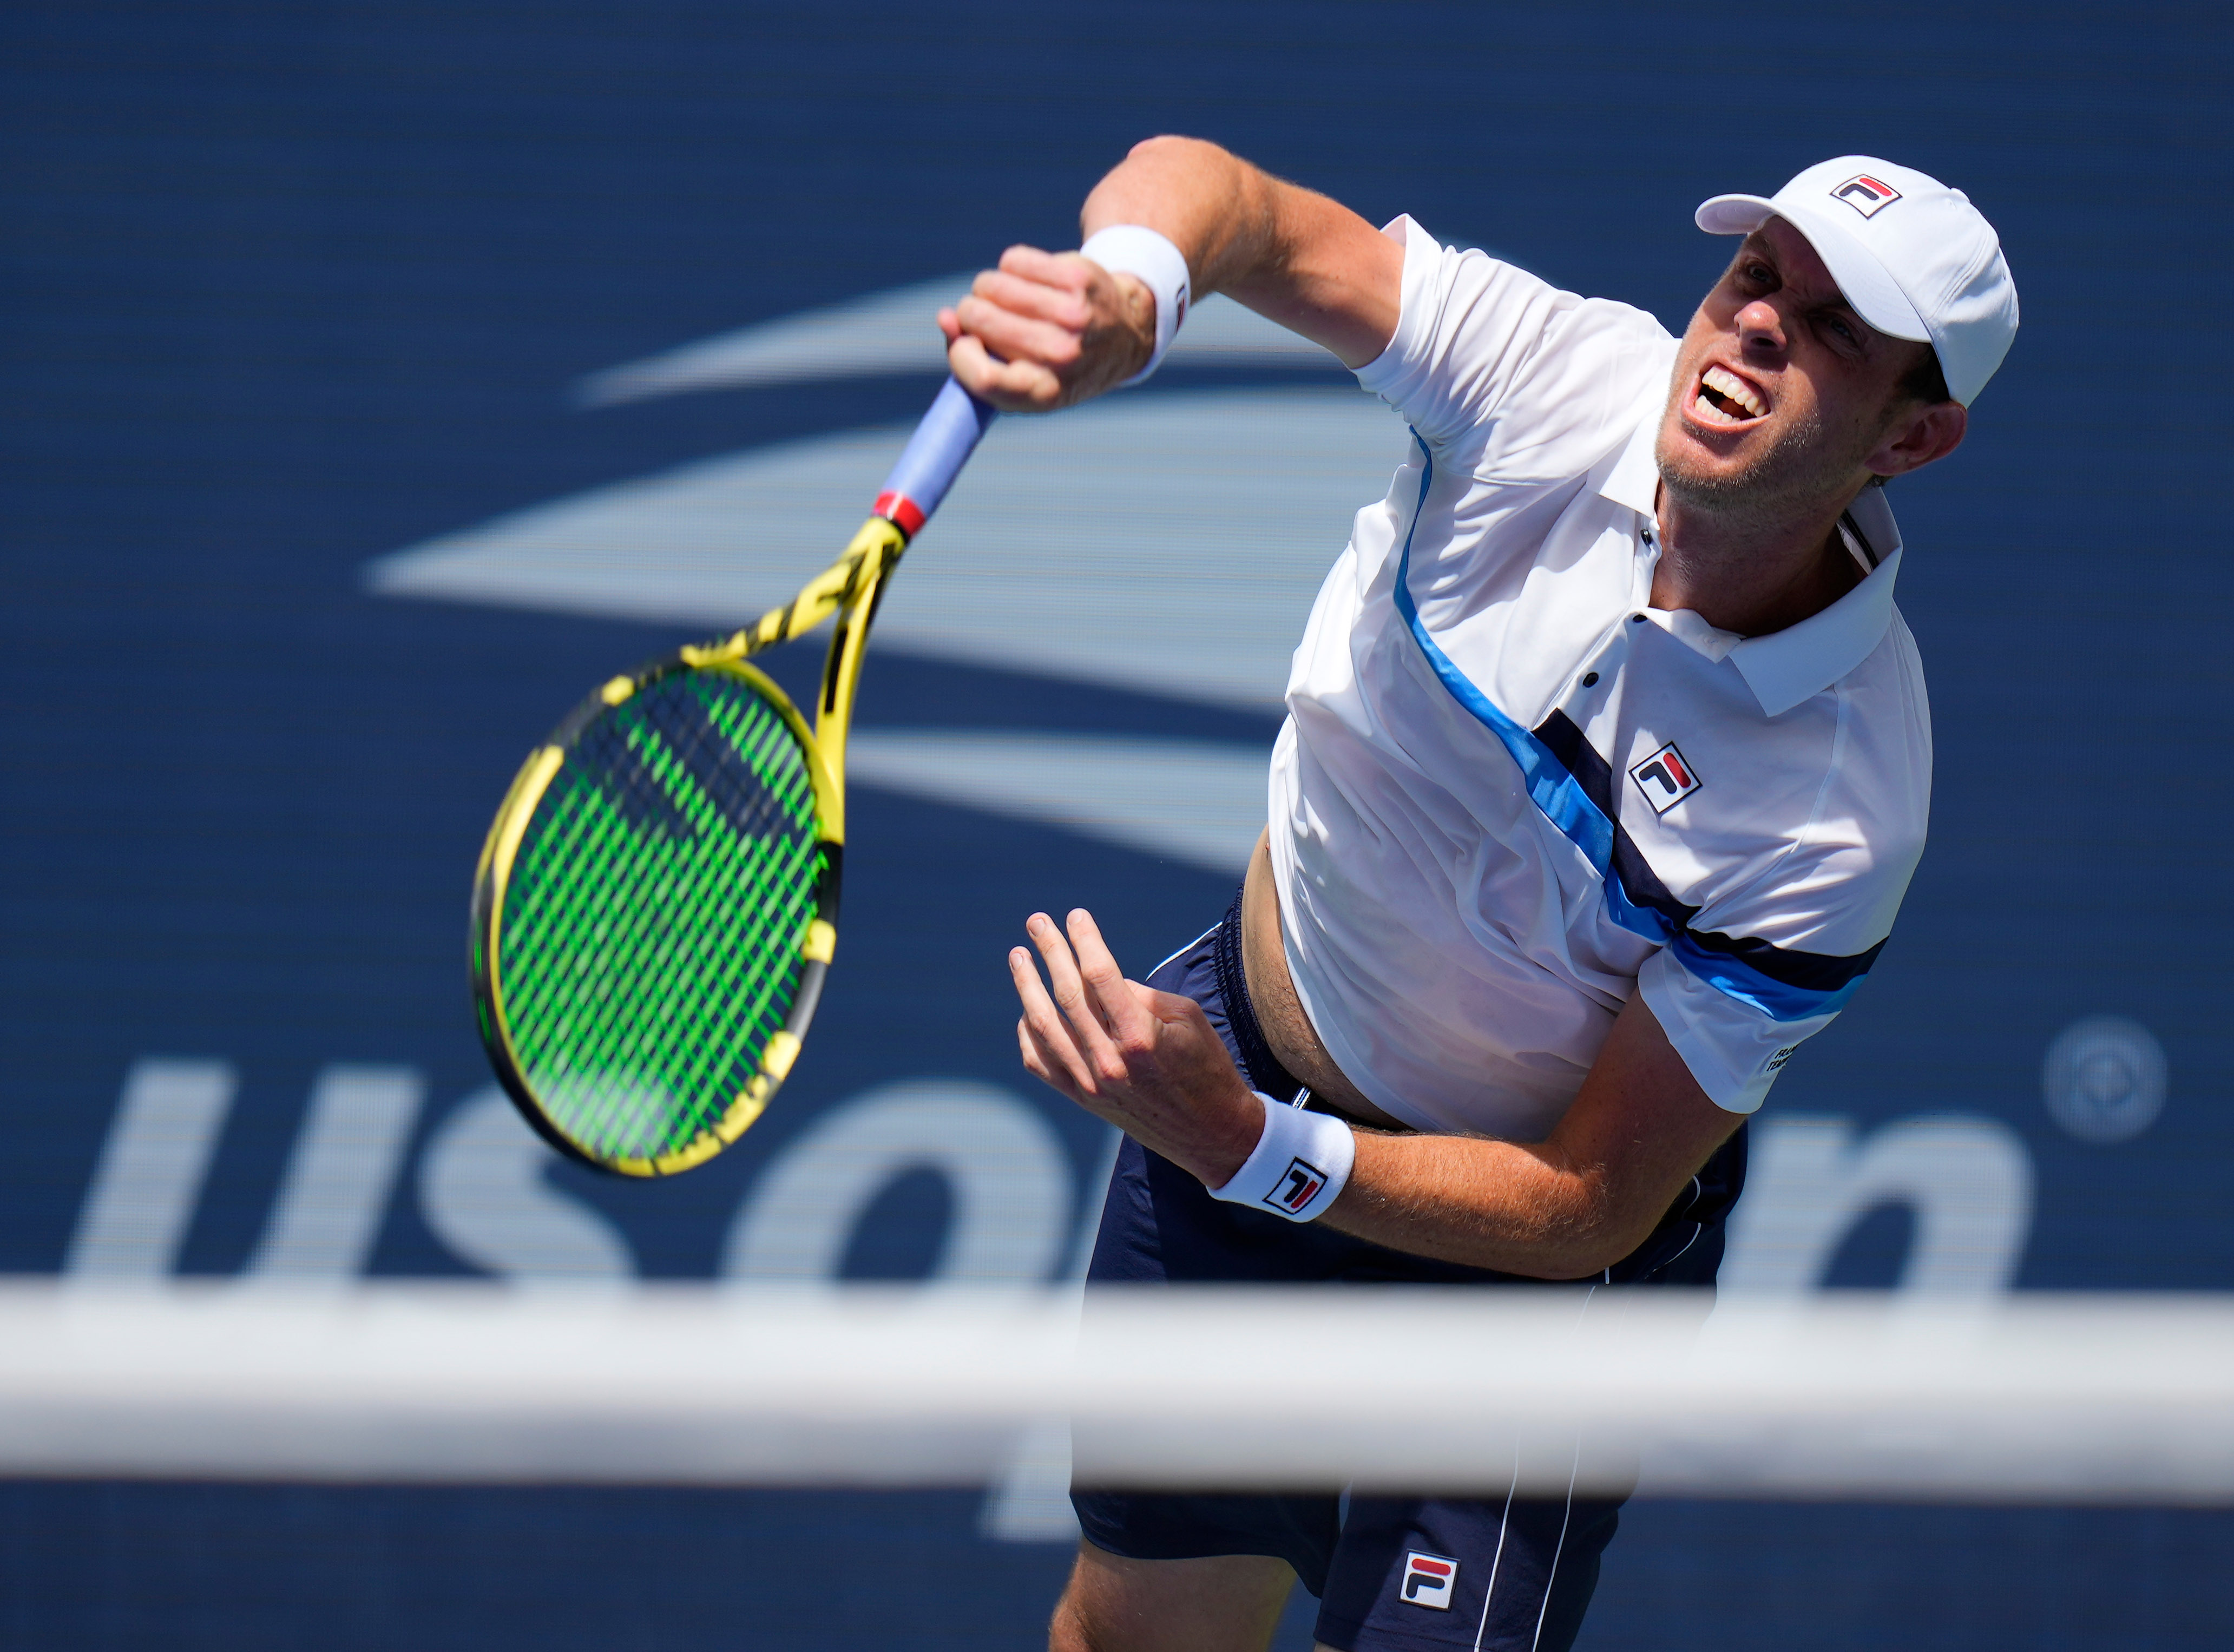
{"x": 1782, "y": 395}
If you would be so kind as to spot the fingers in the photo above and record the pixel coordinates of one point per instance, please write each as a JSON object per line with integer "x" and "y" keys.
{"x": 1042, "y": 331}
{"x": 1065, "y": 983}
{"x": 1081, "y": 1010}
{"x": 1043, "y": 1064}
{"x": 1116, "y": 1000}
{"x": 1060, "y": 1061}
{"x": 1062, "y": 1023}
{"x": 1017, "y": 335}
{"x": 1048, "y": 269}
{"x": 1013, "y": 387}
{"x": 1066, "y": 304}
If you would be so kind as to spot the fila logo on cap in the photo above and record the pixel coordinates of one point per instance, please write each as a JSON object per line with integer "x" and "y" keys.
{"x": 1866, "y": 194}
{"x": 1665, "y": 778}
{"x": 1429, "y": 1580}
{"x": 1299, "y": 1185}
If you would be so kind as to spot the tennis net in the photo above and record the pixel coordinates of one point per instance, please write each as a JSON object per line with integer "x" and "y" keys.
{"x": 2033, "y": 1398}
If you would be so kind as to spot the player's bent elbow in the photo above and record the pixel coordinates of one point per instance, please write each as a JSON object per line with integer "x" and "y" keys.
{"x": 1599, "y": 1229}
{"x": 1569, "y": 1262}
{"x": 1171, "y": 145}
{"x": 1595, "y": 1262}
{"x": 1168, "y": 165}
{"x": 1621, "y": 1228}
{"x": 1564, "y": 1264}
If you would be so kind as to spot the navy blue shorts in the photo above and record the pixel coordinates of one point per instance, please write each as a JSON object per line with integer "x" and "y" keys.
{"x": 1388, "y": 1571}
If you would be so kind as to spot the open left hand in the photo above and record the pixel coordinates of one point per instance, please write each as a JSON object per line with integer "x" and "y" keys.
{"x": 1148, "y": 1062}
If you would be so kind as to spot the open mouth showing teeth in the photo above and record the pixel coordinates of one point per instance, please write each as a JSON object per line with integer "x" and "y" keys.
{"x": 1724, "y": 398}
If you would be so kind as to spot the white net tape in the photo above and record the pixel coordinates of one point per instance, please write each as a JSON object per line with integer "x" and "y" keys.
{"x": 2032, "y": 1398}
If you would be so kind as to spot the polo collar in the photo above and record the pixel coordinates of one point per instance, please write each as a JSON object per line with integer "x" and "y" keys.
{"x": 1635, "y": 479}
{"x": 1799, "y": 661}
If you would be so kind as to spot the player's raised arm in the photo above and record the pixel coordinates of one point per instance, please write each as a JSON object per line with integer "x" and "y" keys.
{"x": 1047, "y": 329}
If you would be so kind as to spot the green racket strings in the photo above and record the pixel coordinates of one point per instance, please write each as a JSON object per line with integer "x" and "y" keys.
{"x": 653, "y": 920}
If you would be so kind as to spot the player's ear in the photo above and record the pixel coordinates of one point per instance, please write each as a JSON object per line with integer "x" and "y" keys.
{"x": 1923, "y": 433}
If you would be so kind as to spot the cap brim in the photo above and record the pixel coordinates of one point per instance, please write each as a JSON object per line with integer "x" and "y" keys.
{"x": 1733, "y": 214}
{"x": 1867, "y": 284}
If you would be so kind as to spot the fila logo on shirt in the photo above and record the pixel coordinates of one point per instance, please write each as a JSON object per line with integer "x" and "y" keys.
{"x": 1866, "y": 194}
{"x": 1299, "y": 1185}
{"x": 1665, "y": 778}
{"x": 1429, "y": 1580}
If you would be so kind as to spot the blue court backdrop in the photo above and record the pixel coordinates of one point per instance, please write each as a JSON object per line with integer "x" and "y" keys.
{"x": 378, "y": 377}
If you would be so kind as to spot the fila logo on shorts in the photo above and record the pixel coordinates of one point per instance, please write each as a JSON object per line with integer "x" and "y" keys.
{"x": 1866, "y": 194}
{"x": 1429, "y": 1580}
{"x": 1665, "y": 778}
{"x": 1299, "y": 1185}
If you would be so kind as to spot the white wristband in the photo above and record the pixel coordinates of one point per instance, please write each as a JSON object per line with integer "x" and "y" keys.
{"x": 1302, "y": 1161}
{"x": 1135, "y": 249}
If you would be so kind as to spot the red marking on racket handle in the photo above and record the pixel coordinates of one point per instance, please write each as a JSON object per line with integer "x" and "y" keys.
{"x": 900, "y": 511}
{"x": 934, "y": 457}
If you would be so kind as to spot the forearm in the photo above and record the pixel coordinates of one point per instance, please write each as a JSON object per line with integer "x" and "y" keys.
{"x": 1565, "y": 1208}
{"x": 1518, "y": 1209}
{"x": 1303, "y": 260}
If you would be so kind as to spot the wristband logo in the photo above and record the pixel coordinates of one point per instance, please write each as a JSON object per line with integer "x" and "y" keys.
{"x": 1298, "y": 1185}
{"x": 1429, "y": 1580}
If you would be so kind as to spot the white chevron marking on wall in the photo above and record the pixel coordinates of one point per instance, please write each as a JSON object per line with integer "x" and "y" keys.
{"x": 1170, "y": 542}
{"x": 897, "y": 332}
{"x": 1197, "y": 802}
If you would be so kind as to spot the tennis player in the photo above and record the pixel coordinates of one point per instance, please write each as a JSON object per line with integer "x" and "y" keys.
{"x": 1606, "y": 765}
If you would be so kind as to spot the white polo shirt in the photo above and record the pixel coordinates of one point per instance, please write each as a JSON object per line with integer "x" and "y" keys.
{"x": 1510, "y": 792}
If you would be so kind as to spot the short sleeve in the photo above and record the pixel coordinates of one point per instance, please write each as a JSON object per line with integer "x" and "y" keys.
{"x": 1736, "y": 1006}
{"x": 1735, "y": 1048}
{"x": 1504, "y": 374}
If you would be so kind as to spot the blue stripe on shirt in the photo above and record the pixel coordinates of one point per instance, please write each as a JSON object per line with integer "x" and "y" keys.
{"x": 1783, "y": 984}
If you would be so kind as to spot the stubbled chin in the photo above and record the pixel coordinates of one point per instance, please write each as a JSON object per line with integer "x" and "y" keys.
{"x": 1679, "y": 448}
{"x": 1768, "y": 470}
{"x": 1689, "y": 467}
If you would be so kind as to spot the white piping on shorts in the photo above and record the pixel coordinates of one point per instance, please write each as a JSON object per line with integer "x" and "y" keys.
{"x": 1697, "y": 1228}
{"x": 1189, "y": 946}
{"x": 1490, "y": 1595}
{"x": 1567, "y": 1515}
{"x": 1560, "y": 1548}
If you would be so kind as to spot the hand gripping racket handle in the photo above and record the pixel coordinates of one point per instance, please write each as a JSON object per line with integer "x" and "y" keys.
{"x": 941, "y": 446}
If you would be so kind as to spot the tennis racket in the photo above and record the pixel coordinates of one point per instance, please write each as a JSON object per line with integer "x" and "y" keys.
{"x": 656, "y": 903}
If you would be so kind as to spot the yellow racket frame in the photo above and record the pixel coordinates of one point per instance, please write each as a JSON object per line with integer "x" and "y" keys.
{"x": 848, "y": 590}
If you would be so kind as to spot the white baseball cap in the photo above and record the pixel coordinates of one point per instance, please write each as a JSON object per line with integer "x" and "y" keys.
{"x": 1913, "y": 257}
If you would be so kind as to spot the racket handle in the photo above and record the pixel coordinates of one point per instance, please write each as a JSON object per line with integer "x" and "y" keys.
{"x": 941, "y": 446}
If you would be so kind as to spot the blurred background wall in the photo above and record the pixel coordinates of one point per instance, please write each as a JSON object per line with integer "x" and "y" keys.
{"x": 378, "y": 377}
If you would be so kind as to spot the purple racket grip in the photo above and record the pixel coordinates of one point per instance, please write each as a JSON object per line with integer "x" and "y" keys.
{"x": 941, "y": 446}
